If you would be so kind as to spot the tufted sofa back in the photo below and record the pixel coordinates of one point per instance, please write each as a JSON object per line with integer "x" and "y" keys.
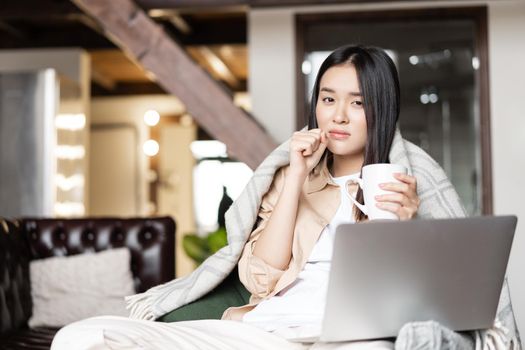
{"x": 15, "y": 290}
{"x": 151, "y": 242}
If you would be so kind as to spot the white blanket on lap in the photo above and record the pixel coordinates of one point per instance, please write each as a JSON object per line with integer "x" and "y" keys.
{"x": 438, "y": 200}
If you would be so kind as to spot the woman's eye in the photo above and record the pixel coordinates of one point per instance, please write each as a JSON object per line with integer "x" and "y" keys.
{"x": 328, "y": 99}
{"x": 357, "y": 103}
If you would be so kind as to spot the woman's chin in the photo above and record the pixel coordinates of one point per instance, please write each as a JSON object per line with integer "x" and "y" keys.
{"x": 337, "y": 150}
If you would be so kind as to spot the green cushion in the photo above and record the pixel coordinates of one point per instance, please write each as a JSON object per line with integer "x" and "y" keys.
{"x": 230, "y": 292}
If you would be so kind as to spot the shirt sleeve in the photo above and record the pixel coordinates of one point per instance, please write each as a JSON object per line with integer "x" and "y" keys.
{"x": 257, "y": 276}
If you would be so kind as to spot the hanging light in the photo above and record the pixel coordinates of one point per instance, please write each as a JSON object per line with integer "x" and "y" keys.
{"x": 150, "y": 148}
{"x": 151, "y": 117}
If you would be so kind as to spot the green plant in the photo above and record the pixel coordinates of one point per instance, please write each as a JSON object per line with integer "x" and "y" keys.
{"x": 200, "y": 248}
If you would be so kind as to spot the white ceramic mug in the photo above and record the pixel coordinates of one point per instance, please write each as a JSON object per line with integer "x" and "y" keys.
{"x": 372, "y": 176}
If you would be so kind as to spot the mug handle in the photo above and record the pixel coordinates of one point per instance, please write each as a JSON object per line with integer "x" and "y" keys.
{"x": 361, "y": 207}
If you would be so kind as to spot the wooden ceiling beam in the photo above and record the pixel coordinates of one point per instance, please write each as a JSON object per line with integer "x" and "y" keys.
{"x": 209, "y": 103}
{"x": 102, "y": 79}
{"x": 219, "y": 67}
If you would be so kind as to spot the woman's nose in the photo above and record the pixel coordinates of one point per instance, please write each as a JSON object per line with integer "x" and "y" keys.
{"x": 341, "y": 116}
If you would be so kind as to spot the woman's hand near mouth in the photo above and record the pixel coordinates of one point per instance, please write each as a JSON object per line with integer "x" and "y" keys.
{"x": 306, "y": 149}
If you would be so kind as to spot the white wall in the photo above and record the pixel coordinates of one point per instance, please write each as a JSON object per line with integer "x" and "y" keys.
{"x": 271, "y": 47}
{"x": 272, "y": 87}
{"x": 507, "y": 95}
{"x": 68, "y": 62}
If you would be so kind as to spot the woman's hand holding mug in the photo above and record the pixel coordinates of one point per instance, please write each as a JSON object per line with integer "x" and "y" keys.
{"x": 306, "y": 149}
{"x": 404, "y": 201}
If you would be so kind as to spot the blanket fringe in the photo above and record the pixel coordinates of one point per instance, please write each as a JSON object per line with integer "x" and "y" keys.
{"x": 141, "y": 305}
{"x": 148, "y": 305}
{"x": 496, "y": 338}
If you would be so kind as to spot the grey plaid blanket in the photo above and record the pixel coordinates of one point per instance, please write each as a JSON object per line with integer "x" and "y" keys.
{"x": 438, "y": 200}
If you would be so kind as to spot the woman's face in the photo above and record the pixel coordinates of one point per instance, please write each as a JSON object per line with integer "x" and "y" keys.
{"x": 340, "y": 111}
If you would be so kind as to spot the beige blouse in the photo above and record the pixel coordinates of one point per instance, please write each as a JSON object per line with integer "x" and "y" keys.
{"x": 318, "y": 203}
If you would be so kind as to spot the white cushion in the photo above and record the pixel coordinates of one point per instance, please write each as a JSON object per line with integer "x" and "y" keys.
{"x": 68, "y": 289}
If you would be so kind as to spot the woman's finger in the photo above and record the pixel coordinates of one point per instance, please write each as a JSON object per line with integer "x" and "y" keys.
{"x": 315, "y": 133}
{"x": 320, "y": 149}
{"x": 404, "y": 201}
{"x": 303, "y": 147}
{"x": 314, "y": 138}
{"x": 403, "y": 212}
{"x": 408, "y": 179}
{"x": 395, "y": 187}
{"x": 399, "y": 198}
{"x": 390, "y": 206}
{"x": 313, "y": 142}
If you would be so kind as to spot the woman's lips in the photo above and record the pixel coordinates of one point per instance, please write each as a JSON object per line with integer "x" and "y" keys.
{"x": 338, "y": 134}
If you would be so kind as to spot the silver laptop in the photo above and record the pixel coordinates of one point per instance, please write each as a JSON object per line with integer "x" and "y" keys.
{"x": 385, "y": 274}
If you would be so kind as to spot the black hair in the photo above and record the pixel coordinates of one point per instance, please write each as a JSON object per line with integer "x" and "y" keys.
{"x": 379, "y": 87}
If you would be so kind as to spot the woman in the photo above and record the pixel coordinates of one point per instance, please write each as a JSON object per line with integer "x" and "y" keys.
{"x": 354, "y": 110}
{"x": 285, "y": 263}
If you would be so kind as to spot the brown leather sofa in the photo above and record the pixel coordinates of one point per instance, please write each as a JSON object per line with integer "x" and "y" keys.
{"x": 150, "y": 240}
